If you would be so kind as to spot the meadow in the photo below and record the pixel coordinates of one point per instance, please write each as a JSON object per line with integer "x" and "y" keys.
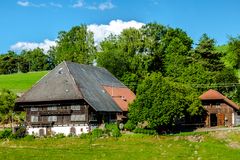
{"x": 196, "y": 146}
{"x": 20, "y": 82}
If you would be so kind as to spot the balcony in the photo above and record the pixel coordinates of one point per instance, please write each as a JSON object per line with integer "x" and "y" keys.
{"x": 55, "y": 112}
{"x": 48, "y": 124}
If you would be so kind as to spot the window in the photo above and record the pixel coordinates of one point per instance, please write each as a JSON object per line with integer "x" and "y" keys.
{"x": 75, "y": 107}
{"x": 34, "y": 109}
{"x": 93, "y": 117}
{"x": 51, "y": 108}
{"x": 218, "y": 105}
{"x": 78, "y": 117}
{"x": 34, "y": 118}
{"x": 52, "y": 118}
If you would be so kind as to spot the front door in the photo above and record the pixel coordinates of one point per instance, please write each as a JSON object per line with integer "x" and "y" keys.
{"x": 220, "y": 119}
{"x": 213, "y": 120}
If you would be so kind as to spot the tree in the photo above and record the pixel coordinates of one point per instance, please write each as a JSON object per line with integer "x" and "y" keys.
{"x": 162, "y": 103}
{"x": 34, "y": 60}
{"x": 206, "y": 54}
{"x": 232, "y": 58}
{"x": 76, "y": 45}
{"x": 9, "y": 63}
{"x": 7, "y": 102}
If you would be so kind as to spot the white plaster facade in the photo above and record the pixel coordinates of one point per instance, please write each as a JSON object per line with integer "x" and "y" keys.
{"x": 66, "y": 130}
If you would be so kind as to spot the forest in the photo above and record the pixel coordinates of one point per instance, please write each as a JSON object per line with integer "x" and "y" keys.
{"x": 162, "y": 65}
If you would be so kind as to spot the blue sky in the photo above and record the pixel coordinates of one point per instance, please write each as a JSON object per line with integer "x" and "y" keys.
{"x": 25, "y": 24}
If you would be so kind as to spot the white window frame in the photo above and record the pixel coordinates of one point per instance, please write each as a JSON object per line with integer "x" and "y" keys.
{"x": 34, "y": 118}
{"x": 52, "y": 108}
{"x": 52, "y": 118}
{"x": 34, "y": 109}
{"x": 78, "y": 117}
{"x": 75, "y": 107}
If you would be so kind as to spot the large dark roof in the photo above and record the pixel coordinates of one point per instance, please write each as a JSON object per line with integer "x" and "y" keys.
{"x": 73, "y": 81}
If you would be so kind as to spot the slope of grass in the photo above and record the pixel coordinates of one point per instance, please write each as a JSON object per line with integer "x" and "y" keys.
{"x": 20, "y": 82}
{"x": 199, "y": 147}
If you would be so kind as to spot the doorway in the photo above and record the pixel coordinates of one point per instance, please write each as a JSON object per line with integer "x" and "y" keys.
{"x": 213, "y": 120}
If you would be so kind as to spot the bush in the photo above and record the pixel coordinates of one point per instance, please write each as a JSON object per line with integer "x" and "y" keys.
{"x": 59, "y": 135}
{"x": 97, "y": 133}
{"x": 84, "y": 135}
{"x": 129, "y": 126}
{"x": 6, "y": 133}
{"x": 145, "y": 131}
{"x": 20, "y": 133}
{"x": 113, "y": 130}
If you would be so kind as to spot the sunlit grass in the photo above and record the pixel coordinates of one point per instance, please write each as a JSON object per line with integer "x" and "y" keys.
{"x": 126, "y": 147}
{"x": 20, "y": 82}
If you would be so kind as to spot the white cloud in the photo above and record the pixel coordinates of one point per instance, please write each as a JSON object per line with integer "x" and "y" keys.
{"x": 23, "y": 3}
{"x": 114, "y": 27}
{"x": 78, "y": 4}
{"x": 45, "y": 45}
{"x": 30, "y": 4}
{"x": 106, "y": 5}
{"x": 100, "y": 31}
{"x": 95, "y": 6}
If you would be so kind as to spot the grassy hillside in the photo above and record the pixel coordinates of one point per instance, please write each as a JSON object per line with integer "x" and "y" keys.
{"x": 197, "y": 146}
{"x": 20, "y": 82}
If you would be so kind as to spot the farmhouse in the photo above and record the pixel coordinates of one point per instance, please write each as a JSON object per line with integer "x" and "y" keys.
{"x": 73, "y": 99}
{"x": 221, "y": 111}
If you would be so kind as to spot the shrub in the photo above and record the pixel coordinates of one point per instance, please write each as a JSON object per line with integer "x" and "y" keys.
{"x": 20, "y": 133}
{"x": 97, "y": 133}
{"x": 129, "y": 126}
{"x": 6, "y": 133}
{"x": 145, "y": 131}
{"x": 84, "y": 135}
{"x": 59, "y": 135}
{"x": 113, "y": 130}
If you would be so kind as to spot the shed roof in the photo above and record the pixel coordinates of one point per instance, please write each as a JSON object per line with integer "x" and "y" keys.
{"x": 73, "y": 81}
{"x": 215, "y": 95}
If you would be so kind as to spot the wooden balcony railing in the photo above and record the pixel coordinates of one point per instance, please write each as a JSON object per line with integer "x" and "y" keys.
{"x": 42, "y": 123}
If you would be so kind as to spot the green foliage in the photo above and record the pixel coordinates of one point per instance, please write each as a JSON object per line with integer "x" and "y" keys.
{"x": 97, "y": 133}
{"x": 34, "y": 60}
{"x": 59, "y": 135}
{"x": 20, "y": 133}
{"x": 84, "y": 135}
{"x": 129, "y": 125}
{"x": 6, "y": 133}
{"x": 145, "y": 131}
{"x": 29, "y": 137}
{"x": 232, "y": 58}
{"x": 161, "y": 102}
{"x": 8, "y": 63}
{"x": 113, "y": 130}
{"x": 76, "y": 45}
{"x": 7, "y": 103}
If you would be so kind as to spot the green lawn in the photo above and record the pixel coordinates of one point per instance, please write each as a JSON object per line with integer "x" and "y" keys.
{"x": 20, "y": 82}
{"x": 215, "y": 145}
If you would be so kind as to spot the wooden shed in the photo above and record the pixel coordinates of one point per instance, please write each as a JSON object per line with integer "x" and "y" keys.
{"x": 221, "y": 111}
